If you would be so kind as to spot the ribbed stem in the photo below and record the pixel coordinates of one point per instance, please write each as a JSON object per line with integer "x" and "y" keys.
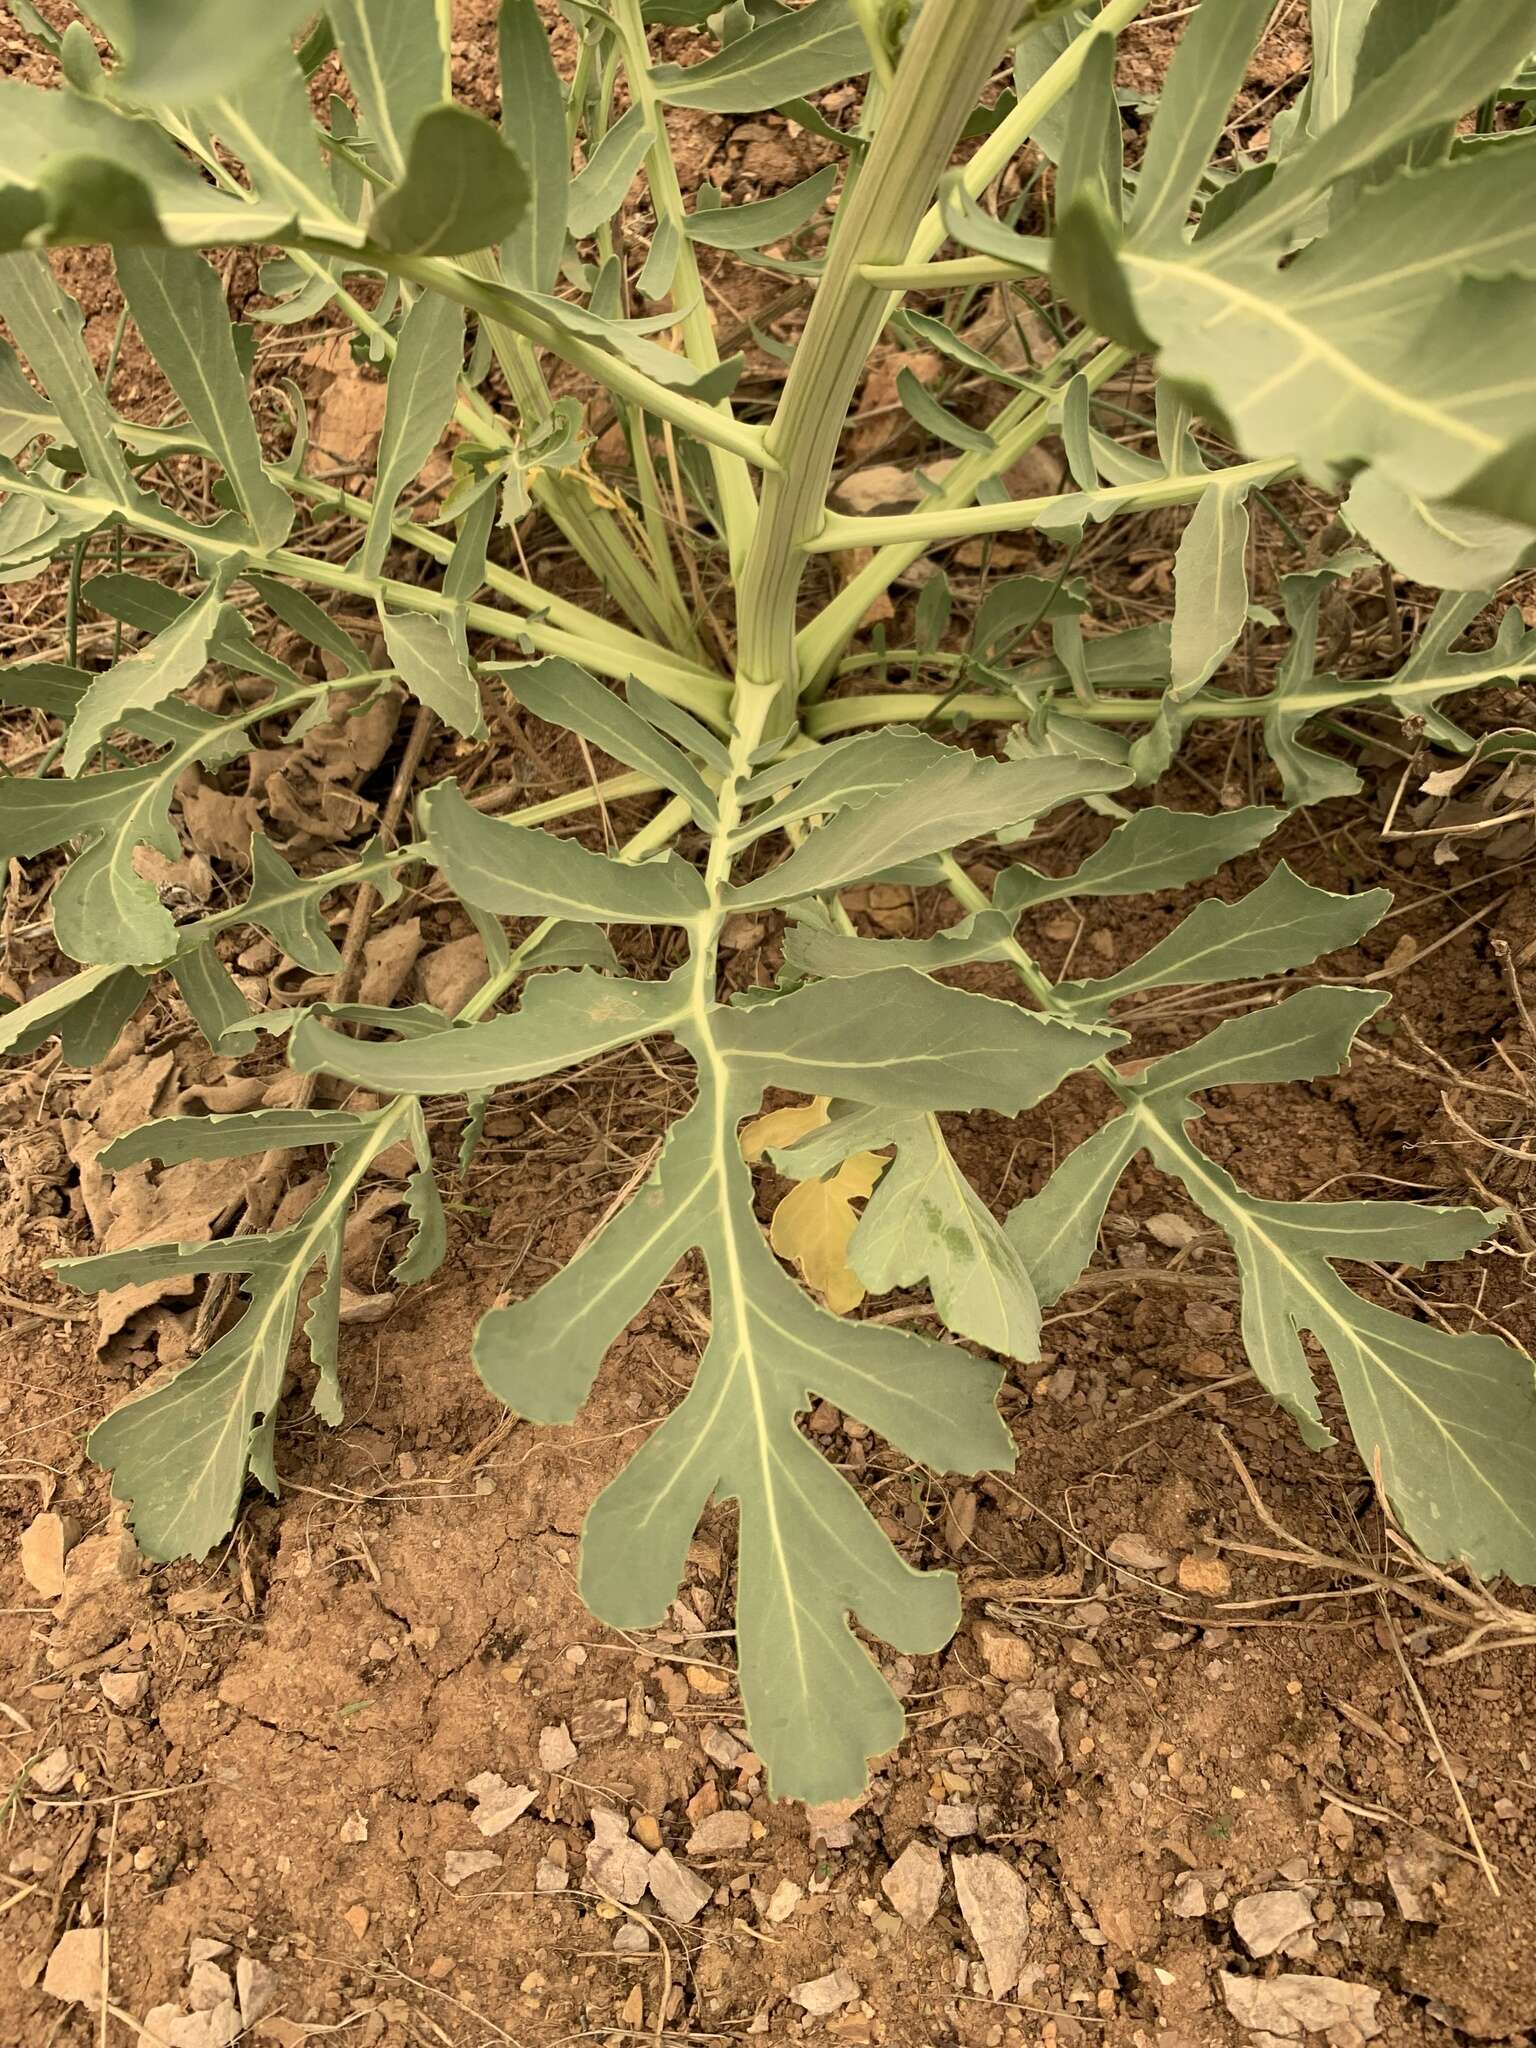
{"x": 937, "y": 83}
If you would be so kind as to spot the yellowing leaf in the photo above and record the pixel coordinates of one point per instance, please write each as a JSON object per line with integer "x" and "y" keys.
{"x": 812, "y": 1225}
{"x": 815, "y": 1220}
{"x": 782, "y": 1127}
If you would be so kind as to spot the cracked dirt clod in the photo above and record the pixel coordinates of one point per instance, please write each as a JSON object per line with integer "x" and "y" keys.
{"x": 915, "y": 1882}
{"x": 1412, "y": 1876}
{"x": 996, "y": 1909}
{"x": 1029, "y": 1714}
{"x": 73, "y": 1974}
{"x": 257, "y": 1987}
{"x": 51, "y": 1773}
{"x": 44, "y": 1546}
{"x": 822, "y": 1995}
{"x": 1268, "y": 1920}
{"x": 721, "y": 1834}
{"x": 557, "y": 1752}
{"x": 497, "y": 1804}
{"x": 616, "y": 1863}
{"x": 679, "y": 1892}
{"x": 1294, "y": 2005}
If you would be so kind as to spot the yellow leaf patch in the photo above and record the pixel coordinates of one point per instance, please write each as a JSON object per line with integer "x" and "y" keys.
{"x": 813, "y": 1224}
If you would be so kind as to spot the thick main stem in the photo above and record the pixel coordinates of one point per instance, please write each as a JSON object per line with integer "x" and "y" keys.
{"x": 938, "y": 80}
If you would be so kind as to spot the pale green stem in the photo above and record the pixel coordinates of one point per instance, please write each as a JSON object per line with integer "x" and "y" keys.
{"x": 584, "y": 525}
{"x": 653, "y": 510}
{"x": 940, "y": 276}
{"x": 499, "y": 303}
{"x": 733, "y": 481}
{"x": 869, "y": 14}
{"x": 1022, "y": 424}
{"x": 1414, "y": 695}
{"x": 997, "y": 150}
{"x": 559, "y": 611}
{"x": 691, "y": 688}
{"x": 589, "y": 527}
{"x": 942, "y": 70}
{"x": 967, "y": 521}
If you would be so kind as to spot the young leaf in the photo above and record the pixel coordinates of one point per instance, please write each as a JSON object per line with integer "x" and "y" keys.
{"x": 211, "y": 995}
{"x": 925, "y": 1223}
{"x": 1308, "y": 777}
{"x": 434, "y": 669}
{"x": 1055, "y": 1232}
{"x": 1210, "y": 584}
{"x": 837, "y": 777}
{"x": 177, "y": 303}
{"x": 760, "y": 221}
{"x": 935, "y": 420}
{"x": 533, "y": 108}
{"x": 798, "y": 53}
{"x": 418, "y": 403}
{"x": 1092, "y": 155}
{"x": 278, "y": 903}
{"x": 597, "y": 192}
{"x": 566, "y": 695}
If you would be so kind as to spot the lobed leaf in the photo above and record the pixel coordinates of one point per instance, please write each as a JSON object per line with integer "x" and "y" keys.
{"x": 180, "y": 1452}
{"x": 952, "y": 799}
{"x": 1154, "y": 849}
{"x": 521, "y": 871}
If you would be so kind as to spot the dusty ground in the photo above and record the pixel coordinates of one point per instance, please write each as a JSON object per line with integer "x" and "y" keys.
{"x": 1158, "y": 1707}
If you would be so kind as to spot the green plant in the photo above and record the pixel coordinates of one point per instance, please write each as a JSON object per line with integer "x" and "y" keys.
{"x": 1351, "y": 308}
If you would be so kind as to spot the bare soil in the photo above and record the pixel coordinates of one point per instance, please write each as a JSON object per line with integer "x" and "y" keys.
{"x": 272, "y": 1750}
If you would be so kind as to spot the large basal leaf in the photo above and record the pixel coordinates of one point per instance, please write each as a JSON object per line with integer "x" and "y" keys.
{"x": 925, "y": 1225}
{"x": 810, "y": 1553}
